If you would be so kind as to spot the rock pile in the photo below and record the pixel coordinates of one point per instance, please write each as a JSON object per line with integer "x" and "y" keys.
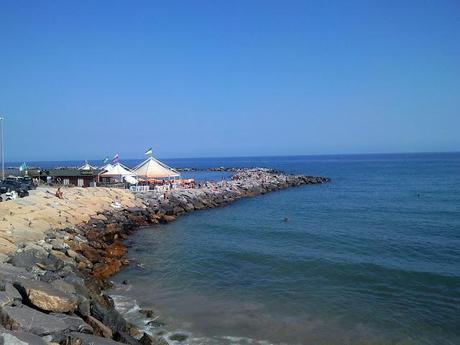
{"x": 52, "y": 290}
{"x": 244, "y": 183}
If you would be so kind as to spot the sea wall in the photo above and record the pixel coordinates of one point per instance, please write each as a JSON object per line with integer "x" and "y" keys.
{"x": 52, "y": 289}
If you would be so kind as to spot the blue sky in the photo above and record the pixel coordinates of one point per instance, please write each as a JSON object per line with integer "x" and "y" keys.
{"x": 86, "y": 79}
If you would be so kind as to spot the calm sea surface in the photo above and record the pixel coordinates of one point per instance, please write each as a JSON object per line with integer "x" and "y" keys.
{"x": 371, "y": 258}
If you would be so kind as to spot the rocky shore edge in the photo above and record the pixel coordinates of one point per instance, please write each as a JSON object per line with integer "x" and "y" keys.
{"x": 53, "y": 291}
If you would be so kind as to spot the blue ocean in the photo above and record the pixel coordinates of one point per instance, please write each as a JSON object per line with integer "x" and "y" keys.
{"x": 371, "y": 258}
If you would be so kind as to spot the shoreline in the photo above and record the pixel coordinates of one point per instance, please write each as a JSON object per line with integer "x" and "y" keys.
{"x": 53, "y": 289}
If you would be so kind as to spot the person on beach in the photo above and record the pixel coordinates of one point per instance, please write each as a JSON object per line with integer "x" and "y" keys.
{"x": 59, "y": 193}
{"x": 116, "y": 203}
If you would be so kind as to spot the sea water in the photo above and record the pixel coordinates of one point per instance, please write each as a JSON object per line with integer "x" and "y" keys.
{"x": 371, "y": 258}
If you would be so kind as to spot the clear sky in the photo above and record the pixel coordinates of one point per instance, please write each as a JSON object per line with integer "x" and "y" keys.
{"x": 86, "y": 79}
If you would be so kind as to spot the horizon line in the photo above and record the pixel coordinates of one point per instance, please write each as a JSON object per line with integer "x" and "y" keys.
{"x": 253, "y": 156}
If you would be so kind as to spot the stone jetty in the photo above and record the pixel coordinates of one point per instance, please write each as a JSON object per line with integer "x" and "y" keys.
{"x": 53, "y": 278}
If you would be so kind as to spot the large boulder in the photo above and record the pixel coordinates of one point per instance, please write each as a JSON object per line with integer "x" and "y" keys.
{"x": 116, "y": 250}
{"x": 9, "y": 295}
{"x": 99, "y": 327}
{"x": 45, "y": 296}
{"x": 25, "y": 319}
{"x": 106, "y": 269}
{"x": 19, "y": 338}
{"x": 9, "y": 273}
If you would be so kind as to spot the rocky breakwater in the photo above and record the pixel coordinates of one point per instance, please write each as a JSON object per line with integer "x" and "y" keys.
{"x": 244, "y": 183}
{"x": 52, "y": 289}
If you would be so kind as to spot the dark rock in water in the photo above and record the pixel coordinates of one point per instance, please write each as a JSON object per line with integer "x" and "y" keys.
{"x": 20, "y": 338}
{"x": 99, "y": 328}
{"x": 110, "y": 317}
{"x": 125, "y": 282}
{"x": 125, "y": 338}
{"x": 146, "y": 339}
{"x": 75, "y": 338}
{"x": 155, "y": 340}
{"x": 178, "y": 337}
{"x": 156, "y": 323}
{"x": 147, "y": 312}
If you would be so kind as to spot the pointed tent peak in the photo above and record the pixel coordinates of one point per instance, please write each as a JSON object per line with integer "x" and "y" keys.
{"x": 118, "y": 169}
{"x": 107, "y": 167}
{"x": 153, "y": 168}
{"x": 87, "y": 166}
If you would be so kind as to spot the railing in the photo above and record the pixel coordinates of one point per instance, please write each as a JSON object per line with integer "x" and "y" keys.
{"x": 139, "y": 188}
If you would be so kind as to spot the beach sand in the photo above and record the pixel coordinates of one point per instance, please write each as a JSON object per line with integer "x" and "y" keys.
{"x": 27, "y": 219}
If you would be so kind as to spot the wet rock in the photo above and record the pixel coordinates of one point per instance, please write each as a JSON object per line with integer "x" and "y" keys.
{"x": 159, "y": 341}
{"x": 125, "y": 338}
{"x": 167, "y": 219}
{"x": 147, "y": 312}
{"x": 75, "y": 338}
{"x": 146, "y": 339}
{"x": 109, "y": 316}
{"x": 178, "y": 337}
{"x": 105, "y": 270}
{"x": 45, "y": 296}
{"x": 156, "y": 323}
{"x": 99, "y": 328}
{"x": 116, "y": 250}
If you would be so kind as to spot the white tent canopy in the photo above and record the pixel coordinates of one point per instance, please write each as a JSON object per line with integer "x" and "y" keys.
{"x": 117, "y": 170}
{"x": 107, "y": 167}
{"x": 152, "y": 168}
{"x": 119, "y": 173}
{"x": 86, "y": 166}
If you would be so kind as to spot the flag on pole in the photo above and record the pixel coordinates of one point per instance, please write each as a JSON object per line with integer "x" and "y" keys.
{"x": 106, "y": 160}
{"x": 115, "y": 159}
{"x": 149, "y": 151}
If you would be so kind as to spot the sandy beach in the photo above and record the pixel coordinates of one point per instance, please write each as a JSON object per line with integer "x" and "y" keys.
{"x": 27, "y": 219}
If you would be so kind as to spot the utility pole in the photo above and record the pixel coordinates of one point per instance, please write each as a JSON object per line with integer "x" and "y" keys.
{"x": 2, "y": 119}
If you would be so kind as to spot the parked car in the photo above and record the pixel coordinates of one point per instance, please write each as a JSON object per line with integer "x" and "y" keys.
{"x": 10, "y": 185}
